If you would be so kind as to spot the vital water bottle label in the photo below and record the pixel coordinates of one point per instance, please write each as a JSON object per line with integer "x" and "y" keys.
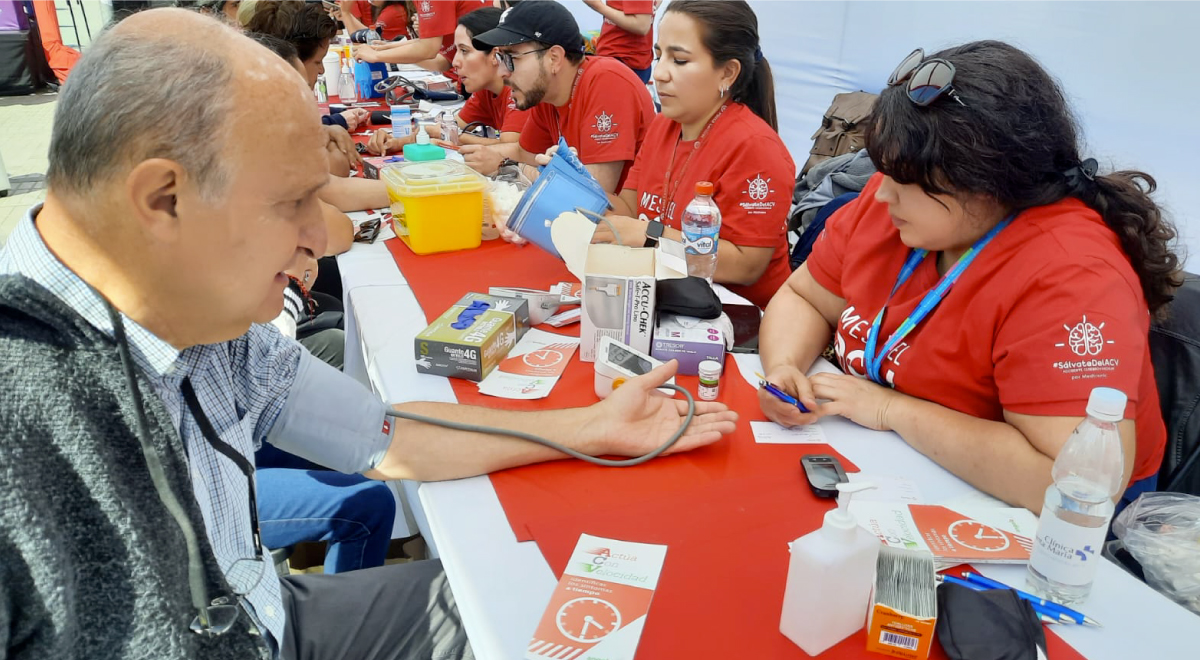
{"x": 700, "y": 243}
{"x": 1066, "y": 553}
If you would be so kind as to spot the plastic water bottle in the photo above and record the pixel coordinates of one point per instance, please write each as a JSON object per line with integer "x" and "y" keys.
{"x": 449, "y": 126}
{"x": 701, "y": 223}
{"x": 347, "y": 91}
{"x": 1087, "y": 474}
{"x": 321, "y": 90}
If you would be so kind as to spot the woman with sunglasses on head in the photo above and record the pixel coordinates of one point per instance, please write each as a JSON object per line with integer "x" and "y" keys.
{"x": 983, "y": 282}
{"x": 718, "y": 125}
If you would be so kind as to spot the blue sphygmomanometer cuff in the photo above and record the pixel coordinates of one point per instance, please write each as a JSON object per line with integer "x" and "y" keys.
{"x": 332, "y": 420}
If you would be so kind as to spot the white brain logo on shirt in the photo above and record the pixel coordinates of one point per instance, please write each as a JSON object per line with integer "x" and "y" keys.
{"x": 604, "y": 122}
{"x": 758, "y": 187}
{"x": 1085, "y": 338}
{"x": 426, "y": 6}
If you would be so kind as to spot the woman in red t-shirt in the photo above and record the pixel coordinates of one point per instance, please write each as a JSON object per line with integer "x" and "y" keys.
{"x": 717, "y": 125}
{"x": 387, "y": 17}
{"x": 1055, "y": 269}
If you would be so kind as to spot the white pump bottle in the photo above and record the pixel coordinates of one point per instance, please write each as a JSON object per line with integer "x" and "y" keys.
{"x": 829, "y": 579}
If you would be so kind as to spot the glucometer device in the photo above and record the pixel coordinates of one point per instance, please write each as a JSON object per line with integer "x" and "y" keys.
{"x": 617, "y": 363}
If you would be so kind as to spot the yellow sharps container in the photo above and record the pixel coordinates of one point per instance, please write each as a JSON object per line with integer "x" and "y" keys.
{"x": 437, "y": 205}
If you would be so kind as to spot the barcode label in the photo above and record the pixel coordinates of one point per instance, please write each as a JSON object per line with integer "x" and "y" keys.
{"x": 902, "y": 641}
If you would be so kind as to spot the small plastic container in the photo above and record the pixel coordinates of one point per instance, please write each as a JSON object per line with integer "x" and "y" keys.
{"x": 437, "y": 206}
{"x": 423, "y": 149}
{"x": 710, "y": 380}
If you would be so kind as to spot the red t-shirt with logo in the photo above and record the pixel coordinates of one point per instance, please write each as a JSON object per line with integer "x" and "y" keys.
{"x": 496, "y": 110}
{"x": 635, "y": 50}
{"x": 392, "y": 20}
{"x": 752, "y": 172}
{"x": 1048, "y": 310}
{"x": 605, "y": 120}
{"x": 439, "y": 18}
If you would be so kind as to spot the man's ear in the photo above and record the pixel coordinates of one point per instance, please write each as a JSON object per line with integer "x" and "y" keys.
{"x": 152, "y": 190}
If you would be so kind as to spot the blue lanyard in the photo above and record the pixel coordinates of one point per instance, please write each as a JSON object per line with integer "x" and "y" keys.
{"x": 873, "y": 360}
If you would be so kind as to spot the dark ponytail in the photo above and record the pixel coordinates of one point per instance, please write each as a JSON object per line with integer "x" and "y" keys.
{"x": 730, "y": 32}
{"x": 1014, "y": 139}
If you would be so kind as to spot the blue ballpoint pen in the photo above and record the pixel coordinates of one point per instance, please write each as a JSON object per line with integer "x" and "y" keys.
{"x": 1073, "y": 615}
{"x": 1043, "y": 613}
{"x": 780, "y": 394}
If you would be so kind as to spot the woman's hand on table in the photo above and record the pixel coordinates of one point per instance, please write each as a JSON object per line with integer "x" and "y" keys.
{"x": 355, "y": 117}
{"x": 637, "y": 419}
{"x": 632, "y": 231}
{"x": 792, "y": 381}
{"x": 859, "y": 400}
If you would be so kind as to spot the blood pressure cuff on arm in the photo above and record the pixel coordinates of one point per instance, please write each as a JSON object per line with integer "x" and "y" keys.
{"x": 332, "y": 420}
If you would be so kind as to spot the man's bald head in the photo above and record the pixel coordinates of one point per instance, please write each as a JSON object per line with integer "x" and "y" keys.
{"x": 164, "y": 84}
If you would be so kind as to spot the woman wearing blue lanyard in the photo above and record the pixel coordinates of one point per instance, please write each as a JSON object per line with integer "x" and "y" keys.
{"x": 982, "y": 284}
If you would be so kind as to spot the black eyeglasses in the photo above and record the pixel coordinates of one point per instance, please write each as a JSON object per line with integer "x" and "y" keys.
{"x": 927, "y": 79}
{"x": 507, "y": 58}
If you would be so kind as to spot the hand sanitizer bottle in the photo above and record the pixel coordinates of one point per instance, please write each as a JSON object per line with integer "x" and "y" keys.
{"x": 829, "y": 579}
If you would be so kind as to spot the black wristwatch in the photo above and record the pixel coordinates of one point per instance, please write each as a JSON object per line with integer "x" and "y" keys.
{"x": 654, "y": 231}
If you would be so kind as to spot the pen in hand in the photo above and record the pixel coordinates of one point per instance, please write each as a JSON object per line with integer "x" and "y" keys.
{"x": 780, "y": 394}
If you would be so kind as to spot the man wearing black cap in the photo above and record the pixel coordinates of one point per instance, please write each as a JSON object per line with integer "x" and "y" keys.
{"x": 596, "y": 103}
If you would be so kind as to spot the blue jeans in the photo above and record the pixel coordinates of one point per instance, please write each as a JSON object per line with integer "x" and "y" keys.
{"x": 301, "y": 501}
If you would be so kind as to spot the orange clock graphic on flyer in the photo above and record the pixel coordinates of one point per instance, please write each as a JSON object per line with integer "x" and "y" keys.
{"x": 544, "y": 358}
{"x": 587, "y": 620}
{"x": 978, "y": 536}
{"x": 544, "y": 362}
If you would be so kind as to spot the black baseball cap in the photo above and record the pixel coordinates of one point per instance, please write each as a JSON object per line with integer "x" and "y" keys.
{"x": 535, "y": 20}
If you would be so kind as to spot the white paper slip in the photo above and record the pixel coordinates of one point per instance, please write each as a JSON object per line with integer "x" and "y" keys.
{"x": 532, "y": 367}
{"x": 887, "y": 488}
{"x": 770, "y": 433}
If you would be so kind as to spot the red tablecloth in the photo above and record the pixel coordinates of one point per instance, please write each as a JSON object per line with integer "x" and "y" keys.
{"x": 726, "y": 512}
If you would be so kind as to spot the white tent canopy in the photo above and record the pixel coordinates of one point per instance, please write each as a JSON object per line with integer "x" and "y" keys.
{"x": 1129, "y": 69}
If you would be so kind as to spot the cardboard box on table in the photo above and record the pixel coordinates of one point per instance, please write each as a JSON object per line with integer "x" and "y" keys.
{"x": 481, "y": 341}
{"x": 619, "y": 284}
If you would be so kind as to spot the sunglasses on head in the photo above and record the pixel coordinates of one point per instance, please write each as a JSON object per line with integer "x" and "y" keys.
{"x": 927, "y": 80}
{"x": 506, "y": 59}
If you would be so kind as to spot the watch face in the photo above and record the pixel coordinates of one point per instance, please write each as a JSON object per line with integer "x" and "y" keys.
{"x": 978, "y": 536}
{"x": 587, "y": 620}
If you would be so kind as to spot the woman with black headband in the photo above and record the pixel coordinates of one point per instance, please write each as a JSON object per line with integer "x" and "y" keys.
{"x": 983, "y": 282}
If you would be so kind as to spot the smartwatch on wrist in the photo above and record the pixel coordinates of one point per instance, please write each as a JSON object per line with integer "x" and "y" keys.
{"x": 654, "y": 231}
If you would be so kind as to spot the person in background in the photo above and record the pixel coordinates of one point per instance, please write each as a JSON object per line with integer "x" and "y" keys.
{"x": 1054, "y": 272}
{"x": 718, "y": 124}
{"x": 628, "y": 33}
{"x": 596, "y": 103}
{"x": 490, "y": 104}
{"x": 133, "y": 300}
{"x": 389, "y": 18}
{"x": 310, "y": 29}
{"x": 226, "y": 9}
{"x": 436, "y": 22}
